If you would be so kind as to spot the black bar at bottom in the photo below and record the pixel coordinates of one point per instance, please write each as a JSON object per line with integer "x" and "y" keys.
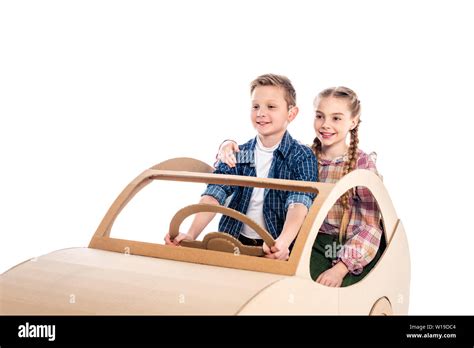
{"x": 261, "y": 330}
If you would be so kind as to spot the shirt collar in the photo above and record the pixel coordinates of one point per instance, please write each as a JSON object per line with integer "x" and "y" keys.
{"x": 336, "y": 160}
{"x": 261, "y": 147}
{"x": 285, "y": 144}
{"x": 339, "y": 159}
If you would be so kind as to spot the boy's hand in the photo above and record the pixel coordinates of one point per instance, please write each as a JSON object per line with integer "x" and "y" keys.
{"x": 226, "y": 153}
{"x": 334, "y": 276}
{"x": 280, "y": 251}
{"x": 177, "y": 240}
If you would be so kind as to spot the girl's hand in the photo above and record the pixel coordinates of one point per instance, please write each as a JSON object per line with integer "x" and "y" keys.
{"x": 280, "y": 251}
{"x": 334, "y": 276}
{"x": 226, "y": 153}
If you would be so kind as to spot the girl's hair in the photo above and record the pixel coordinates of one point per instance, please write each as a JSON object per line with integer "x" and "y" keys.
{"x": 277, "y": 81}
{"x": 354, "y": 106}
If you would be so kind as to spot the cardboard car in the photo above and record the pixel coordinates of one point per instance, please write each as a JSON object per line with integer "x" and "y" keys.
{"x": 215, "y": 276}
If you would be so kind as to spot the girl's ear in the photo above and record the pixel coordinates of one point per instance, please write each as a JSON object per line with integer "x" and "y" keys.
{"x": 292, "y": 113}
{"x": 355, "y": 122}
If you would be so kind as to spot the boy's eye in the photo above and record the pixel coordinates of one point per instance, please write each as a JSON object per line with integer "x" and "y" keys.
{"x": 271, "y": 106}
{"x": 255, "y": 107}
{"x": 336, "y": 118}
{"x": 318, "y": 116}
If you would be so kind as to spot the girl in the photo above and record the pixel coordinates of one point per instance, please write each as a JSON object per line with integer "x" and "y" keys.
{"x": 348, "y": 244}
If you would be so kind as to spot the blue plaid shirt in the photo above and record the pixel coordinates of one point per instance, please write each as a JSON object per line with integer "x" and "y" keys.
{"x": 291, "y": 160}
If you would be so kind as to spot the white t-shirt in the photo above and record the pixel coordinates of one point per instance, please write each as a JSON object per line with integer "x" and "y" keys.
{"x": 263, "y": 162}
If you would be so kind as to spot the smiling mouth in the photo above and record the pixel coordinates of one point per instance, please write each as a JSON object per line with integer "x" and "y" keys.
{"x": 263, "y": 123}
{"x": 326, "y": 135}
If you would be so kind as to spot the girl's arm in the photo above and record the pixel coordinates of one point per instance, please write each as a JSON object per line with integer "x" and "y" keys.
{"x": 226, "y": 152}
{"x": 334, "y": 276}
{"x": 361, "y": 248}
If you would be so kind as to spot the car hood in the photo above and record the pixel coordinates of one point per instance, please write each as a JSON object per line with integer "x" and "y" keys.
{"x": 90, "y": 281}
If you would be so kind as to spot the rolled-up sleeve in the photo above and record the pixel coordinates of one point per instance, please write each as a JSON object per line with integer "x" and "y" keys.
{"x": 305, "y": 170}
{"x": 220, "y": 192}
{"x": 361, "y": 249}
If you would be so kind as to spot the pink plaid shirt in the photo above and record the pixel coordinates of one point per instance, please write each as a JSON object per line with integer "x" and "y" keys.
{"x": 363, "y": 231}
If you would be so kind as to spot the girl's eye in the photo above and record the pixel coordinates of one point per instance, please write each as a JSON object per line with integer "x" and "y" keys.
{"x": 255, "y": 107}
{"x": 271, "y": 106}
{"x": 318, "y": 116}
{"x": 337, "y": 118}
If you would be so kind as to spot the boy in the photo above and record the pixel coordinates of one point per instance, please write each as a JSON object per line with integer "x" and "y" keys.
{"x": 274, "y": 154}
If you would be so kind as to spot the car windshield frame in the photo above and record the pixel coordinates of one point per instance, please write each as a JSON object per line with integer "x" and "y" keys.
{"x": 103, "y": 240}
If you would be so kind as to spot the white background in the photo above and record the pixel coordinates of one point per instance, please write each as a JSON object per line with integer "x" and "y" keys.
{"x": 94, "y": 92}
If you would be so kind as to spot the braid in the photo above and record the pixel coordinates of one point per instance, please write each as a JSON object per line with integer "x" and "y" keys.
{"x": 316, "y": 147}
{"x": 351, "y": 163}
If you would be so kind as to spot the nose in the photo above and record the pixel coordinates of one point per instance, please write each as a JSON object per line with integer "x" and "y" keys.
{"x": 325, "y": 124}
{"x": 260, "y": 112}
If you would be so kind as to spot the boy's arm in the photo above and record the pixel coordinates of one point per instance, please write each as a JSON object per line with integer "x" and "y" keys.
{"x": 305, "y": 169}
{"x": 294, "y": 219}
{"x": 297, "y": 205}
{"x": 214, "y": 194}
{"x": 218, "y": 191}
{"x": 201, "y": 220}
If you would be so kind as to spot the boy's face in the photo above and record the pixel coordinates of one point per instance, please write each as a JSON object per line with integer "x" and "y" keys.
{"x": 270, "y": 115}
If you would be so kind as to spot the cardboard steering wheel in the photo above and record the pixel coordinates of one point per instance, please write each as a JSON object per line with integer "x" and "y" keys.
{"x": 220, "y": 241}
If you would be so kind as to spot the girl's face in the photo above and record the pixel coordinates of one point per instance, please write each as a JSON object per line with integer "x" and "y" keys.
{"x": 333, "y": 120}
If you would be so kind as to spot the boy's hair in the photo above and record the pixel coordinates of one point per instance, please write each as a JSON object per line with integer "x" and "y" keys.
{"x": 277, "y": 81}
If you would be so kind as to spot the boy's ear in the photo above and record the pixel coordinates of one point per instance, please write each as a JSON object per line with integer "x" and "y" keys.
{"x": 292, "y": 113}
